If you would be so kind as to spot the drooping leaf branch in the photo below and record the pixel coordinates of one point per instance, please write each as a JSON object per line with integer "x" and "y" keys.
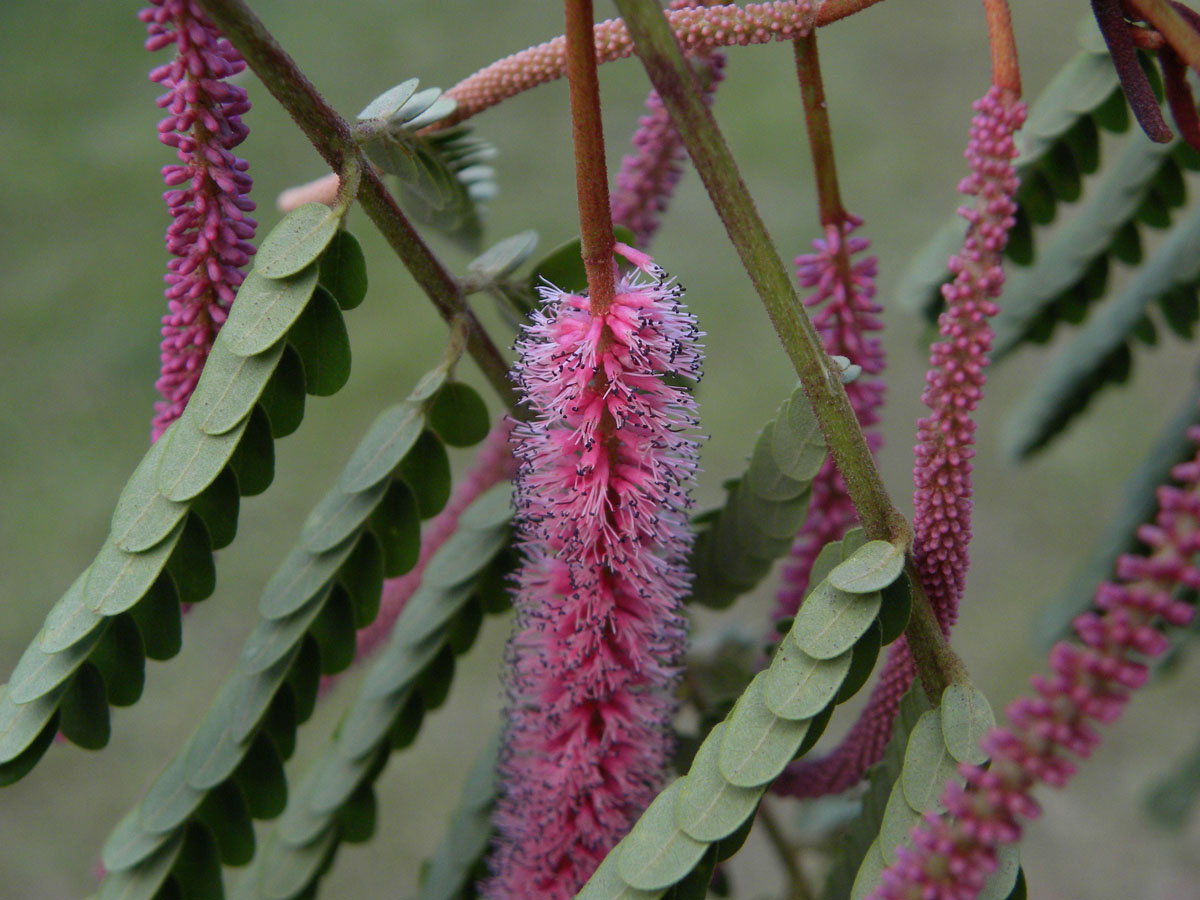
{"x": 333, "y": 139}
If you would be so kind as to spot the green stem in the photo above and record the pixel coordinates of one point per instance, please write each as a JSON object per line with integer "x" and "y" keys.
{"x": 681, "y": 94}
{"x": 333, "y": 139}
{"x": 591, "y": 175}
{"x": 937, "y": 664}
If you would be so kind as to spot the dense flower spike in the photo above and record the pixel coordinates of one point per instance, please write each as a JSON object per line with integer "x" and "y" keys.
{"x": 208, "y": 192}
{"x": 1090, "y": 682}
{"x": 697, "y": 28}
{"x": 606, "y": 465}
{"x": 649, "y": 174}
{"x": 954, "y": 383}
{"x": 942, "y": 475}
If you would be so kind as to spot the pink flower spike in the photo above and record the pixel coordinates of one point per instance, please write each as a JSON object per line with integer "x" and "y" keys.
{"x": 942, "y": 474}
{"x": 1090, "y": 681}
{"x": 603, "y": 491}
{"x": 209, "y": 234}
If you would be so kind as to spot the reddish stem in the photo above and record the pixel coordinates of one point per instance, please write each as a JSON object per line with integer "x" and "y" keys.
{"x": 832, "y": 10}
{"x": 591, "y": 174}
{"x": 1006, "y": 73}
{"x": 820, "y": 136}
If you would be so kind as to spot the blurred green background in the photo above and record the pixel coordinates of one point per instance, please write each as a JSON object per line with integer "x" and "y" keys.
{"x": 81, "y": 262}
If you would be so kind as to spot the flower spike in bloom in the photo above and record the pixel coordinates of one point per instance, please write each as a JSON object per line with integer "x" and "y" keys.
{"x": 606, "y": 467}
{"x": 1090, "y": 681}
{"x": 208, "y": 197}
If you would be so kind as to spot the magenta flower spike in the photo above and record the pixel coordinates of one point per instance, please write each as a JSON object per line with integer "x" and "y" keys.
{"x": 845, "y": 322}
{"x": 210, "y": 232}
{"x": 648, "y": 175}
{"x": 1090, "y": 681}
{"x": 954, "y": 383}
{"x": 606, "y": 466}
{"x": 942, "y": 474}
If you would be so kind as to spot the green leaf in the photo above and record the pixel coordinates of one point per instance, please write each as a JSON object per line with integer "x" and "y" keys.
{"x": 260, "y": 776}
{"x": 18, "y": 766}
{"x": 129, "y": 843}
{"x": 198, "y": 868}
{"x": 431, "y": 608}
{"x": 799, "y": 686}
{"x": 463, "y": 556}
{"x": 898, "y": 820}
{"x": 390, "y": 101}
{"x": 895, "y": 609}
{"x": 251, "y": 696}
{"x": 397, "y": 524}
{"x": 286, "y": 869}
{"x": 1003, "y": 881}
{"x": 213, "y": 753}
{"x": 757, "y": 744}
{"x": 426, "y": 470}
{"x": 830, "y": 620}
{"x": 143, "y": 516}
{"x": 218, "y": 506}
{"x": 434, "y": 683}
{"x": 22, "y": 724}
{"x": 563, "y": 266}
{"x": 796, "y": 441}
{"x": 265, "y": 309}
{"x": 709, "y": 807}
{"x": 765, "y": 478}
{"x": 271, "y": 639}
{"x": 117, "y": 580}
{"x": 192, "y": 460}
{"x": 84, "y": 710}
{"x": 283, "y": 397}
{"x": 606, "y": 882}
{"x": 254, "y": 460}
{"x": 170, "y": 799}
{"x": 928, "y": 765}
{"x": 357, "y": 817}
{"x": 142, "y": 882}
{"x": 343, "y": 270}
{"x": 225, "y": 814}
{"x": 388, "y": 441}
{"x": 300, "y": 578}
{"x": 1080, "y": 370}
{"x": 362, "y": 578}
{"x": 657, "y": 853}
{"x": 966, "y": 718}
{"x": 869, "y": 874}
{"x": 304, "y": 678}
{"x": 69, "y": 620}
{"x": 158, "y": 619}
{"x": 459, "y": 415}
{"x": 503, "y": 258}
{"x": 871, "y": 567}
{"x": 231, "y": 385}
{"x": 320, "y": 337}
{"x": 191, "y": 563}
{"x": 334, "y": 632}
{"x": 338, "y": 515}
{"x": 121, "y": 660}
{"x": 37, "y": 672}
{"x": 297, "y": 240}
{"x": 862, "y": 663}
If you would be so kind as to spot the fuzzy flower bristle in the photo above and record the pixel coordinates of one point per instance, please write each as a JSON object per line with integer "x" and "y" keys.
{"x": 1090, "y": 682}
{"x": 606, "y": 465}
{"x": 208, "y": 197}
